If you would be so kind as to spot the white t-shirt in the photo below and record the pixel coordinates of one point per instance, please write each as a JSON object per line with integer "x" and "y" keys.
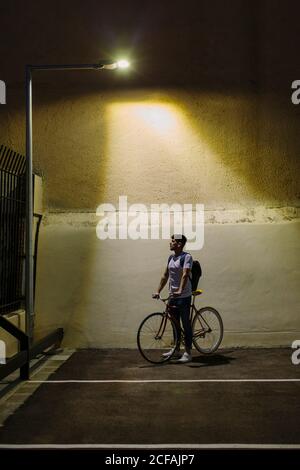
{"x": 175, "y": 274}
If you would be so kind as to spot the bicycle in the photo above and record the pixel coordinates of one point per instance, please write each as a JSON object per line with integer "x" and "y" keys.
{"x": 158, "y": 333}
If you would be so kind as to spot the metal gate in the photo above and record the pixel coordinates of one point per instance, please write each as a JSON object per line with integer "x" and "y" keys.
{"x": 12, "y": 229}
{"x": 12, "y": 257}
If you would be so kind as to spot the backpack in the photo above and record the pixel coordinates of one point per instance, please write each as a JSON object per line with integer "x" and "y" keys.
{"x": 196, "y": 271}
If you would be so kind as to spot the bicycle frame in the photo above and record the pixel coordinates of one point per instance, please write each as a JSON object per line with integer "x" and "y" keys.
{"x": 168, "y": 315}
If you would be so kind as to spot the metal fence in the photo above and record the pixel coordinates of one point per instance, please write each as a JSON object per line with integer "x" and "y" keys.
{"x": 12, "y": 256}
{"x": 12, "y": 229}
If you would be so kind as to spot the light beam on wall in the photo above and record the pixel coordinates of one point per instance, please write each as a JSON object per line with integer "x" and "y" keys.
{"x": 161, "y": 118}
{"x": 148, "y": 147}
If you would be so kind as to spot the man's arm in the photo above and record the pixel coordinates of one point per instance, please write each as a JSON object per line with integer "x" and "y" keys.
{"x": 162, "y": 283}
{"x": 184, "y": 278}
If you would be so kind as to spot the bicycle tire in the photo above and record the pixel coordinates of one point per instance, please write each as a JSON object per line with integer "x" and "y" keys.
{"x": 156, "y": 335}
{"x": 207, "y": 337}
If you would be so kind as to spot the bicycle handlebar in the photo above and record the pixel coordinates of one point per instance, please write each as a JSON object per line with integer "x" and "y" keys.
{"x": 160, "y": 298}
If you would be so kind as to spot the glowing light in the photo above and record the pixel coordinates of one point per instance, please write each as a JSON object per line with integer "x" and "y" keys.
{"x": 123, "y": 64}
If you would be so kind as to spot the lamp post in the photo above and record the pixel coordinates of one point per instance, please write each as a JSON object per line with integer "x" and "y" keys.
{"x": 29, "y": 301}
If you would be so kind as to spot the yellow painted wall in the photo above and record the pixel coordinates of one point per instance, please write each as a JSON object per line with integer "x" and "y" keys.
{"x": 223, "y": 150}
{"x": 235, "y": 153}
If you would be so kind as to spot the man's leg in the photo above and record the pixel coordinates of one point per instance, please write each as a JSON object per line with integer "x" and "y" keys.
{"x": 176, "y": 315}
{"x": 187, "y": 327}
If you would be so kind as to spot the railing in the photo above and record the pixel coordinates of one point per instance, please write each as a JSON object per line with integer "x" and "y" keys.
{"x": 12, "y": 229}
{"x": 12, "y": 256}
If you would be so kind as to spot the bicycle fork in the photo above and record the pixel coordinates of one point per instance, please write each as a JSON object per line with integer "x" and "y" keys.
{"x": 161, "y": 329}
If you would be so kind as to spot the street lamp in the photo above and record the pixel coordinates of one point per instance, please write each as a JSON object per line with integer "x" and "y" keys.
{"x": 103, "y": 64}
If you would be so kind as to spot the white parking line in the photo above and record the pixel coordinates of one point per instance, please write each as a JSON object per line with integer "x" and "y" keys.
{"x": 161, "y": 381}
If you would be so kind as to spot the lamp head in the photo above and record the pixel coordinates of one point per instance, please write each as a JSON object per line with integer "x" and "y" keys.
{"x": 119, "y": 64}
{"x": 123, "y": 64}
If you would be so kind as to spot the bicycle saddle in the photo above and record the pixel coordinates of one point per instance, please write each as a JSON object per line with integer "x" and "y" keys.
{"x": 197, "y": 292}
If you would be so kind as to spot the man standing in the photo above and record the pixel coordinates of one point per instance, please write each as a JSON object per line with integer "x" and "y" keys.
{"x": 178, "y": 271}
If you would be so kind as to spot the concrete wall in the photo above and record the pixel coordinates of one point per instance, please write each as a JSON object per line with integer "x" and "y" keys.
{"x": 204, "y": 116}
{"x": 17, "y": 318}
{"x": 235, "y": 154}
{"x": 99, "y": 291}
{"x": 225, "y": 150}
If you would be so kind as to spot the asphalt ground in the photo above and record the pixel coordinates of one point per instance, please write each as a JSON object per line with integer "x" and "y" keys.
{"x": 239, "y": 398}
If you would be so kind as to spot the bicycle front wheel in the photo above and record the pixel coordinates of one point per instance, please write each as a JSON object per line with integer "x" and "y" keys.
{"x": 207, "y": 330}
{"x": 156, "y": 336}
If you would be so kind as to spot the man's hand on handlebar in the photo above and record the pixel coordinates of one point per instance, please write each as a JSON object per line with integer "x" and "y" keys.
{"x": 156, "y": 295}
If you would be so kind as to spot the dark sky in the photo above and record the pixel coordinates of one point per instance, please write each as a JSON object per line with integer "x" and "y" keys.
{"x": 213, "y": 44}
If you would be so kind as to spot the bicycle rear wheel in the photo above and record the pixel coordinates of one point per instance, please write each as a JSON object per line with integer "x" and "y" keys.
{"x": 156, "y": 335}
{"x": 207, "y": 330}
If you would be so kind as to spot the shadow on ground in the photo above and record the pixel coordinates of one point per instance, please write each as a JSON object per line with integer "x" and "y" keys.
{"x": 210, "y": 361}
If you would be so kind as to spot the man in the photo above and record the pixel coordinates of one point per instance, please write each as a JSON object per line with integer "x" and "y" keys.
{"x": 178, "y": 271}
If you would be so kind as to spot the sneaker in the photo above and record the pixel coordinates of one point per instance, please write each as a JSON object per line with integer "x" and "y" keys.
{"x": 169, "y": 353}
{"x": 185, "y": 358}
